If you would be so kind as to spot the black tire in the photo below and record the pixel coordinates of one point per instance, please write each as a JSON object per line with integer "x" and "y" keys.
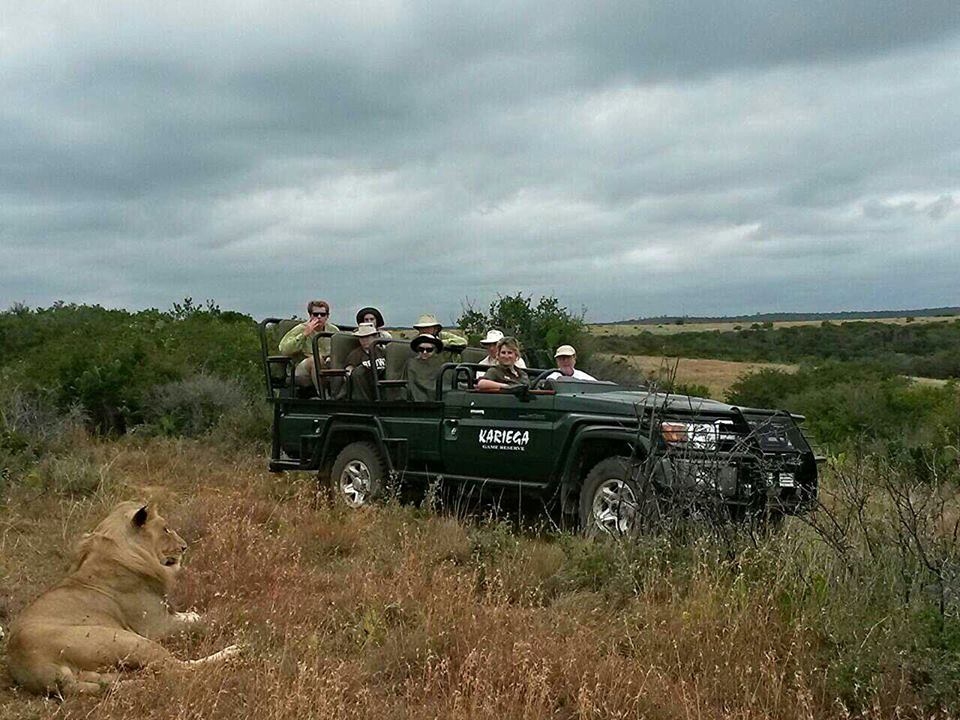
{"x": 358, "y": 475}
{"x": 613, "y": 503}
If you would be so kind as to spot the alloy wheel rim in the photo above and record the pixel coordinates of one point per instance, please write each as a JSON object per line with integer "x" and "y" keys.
{"x": 615, "y": 507}
{"x": 355, "y": 483}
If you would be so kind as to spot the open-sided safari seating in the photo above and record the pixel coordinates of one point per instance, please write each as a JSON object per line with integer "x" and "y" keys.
{"x": 611, "y": 456}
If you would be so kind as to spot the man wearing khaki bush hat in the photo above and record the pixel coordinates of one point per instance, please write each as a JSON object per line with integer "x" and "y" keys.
{"x": 566, "y": 358}
{"x": 428, "y": 324}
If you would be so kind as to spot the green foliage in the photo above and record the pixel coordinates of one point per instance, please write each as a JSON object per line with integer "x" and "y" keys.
{"x": 926, "y": 350}
{"x": 540, "y": 328}
{"x": 107, "y": 361}
{"x": 193, "y": 406}
{"x": 848, "y": 402}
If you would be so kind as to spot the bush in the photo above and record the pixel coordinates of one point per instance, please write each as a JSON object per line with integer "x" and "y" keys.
{"x": 540, "y": 328}
{"x": 193, "y": 406}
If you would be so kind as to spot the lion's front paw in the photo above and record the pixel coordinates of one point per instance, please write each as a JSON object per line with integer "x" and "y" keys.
{"x": 187, "y": 617}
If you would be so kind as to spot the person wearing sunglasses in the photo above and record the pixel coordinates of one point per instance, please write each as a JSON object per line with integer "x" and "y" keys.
{"x": 365, "y": 364}
{"x": 298, "y": 342}
{"x": 423, "y": 367}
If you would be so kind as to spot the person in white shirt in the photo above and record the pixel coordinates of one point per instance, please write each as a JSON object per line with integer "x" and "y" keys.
{"x": 490, "y": 345}
{"x": 566, "y": 358}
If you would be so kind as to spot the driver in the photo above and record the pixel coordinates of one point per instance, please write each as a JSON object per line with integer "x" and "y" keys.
{"x": 566, "y": 358}
{"x": 505, "y": 373}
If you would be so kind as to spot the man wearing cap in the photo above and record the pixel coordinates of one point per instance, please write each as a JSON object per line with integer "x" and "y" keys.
{"x": 422, "y": 369}
{"x": 566, "y": 358}
{"x": 365, "y": 364}
{"x": 490, "y": 345}
{"x": 429, "y": 325}
{"x": 299, "y": 341}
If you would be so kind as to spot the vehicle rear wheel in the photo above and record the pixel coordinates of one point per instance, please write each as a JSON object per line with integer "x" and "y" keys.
{"x": 612, "y": 502}
{"x": 358, "y": 474}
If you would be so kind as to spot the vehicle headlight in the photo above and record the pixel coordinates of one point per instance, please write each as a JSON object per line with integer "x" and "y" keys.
{"x": 701, "y": 436}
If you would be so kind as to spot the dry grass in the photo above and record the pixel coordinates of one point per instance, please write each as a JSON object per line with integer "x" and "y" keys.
{"x": 718, "y": 375}
{"x": 392, "y": 613}
{"x": 627, "y": 329}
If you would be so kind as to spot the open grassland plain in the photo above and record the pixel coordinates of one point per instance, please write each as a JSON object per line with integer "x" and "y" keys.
{"x": 401, "y": 612}
{"x": 627, "y": 329}
{"x": 718, "y": 376}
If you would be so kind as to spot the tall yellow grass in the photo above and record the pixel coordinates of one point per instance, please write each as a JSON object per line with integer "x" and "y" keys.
{"x": 397, "y": 613}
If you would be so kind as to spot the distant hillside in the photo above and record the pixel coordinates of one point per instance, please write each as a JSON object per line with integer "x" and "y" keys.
{"x": 791, "y": 316}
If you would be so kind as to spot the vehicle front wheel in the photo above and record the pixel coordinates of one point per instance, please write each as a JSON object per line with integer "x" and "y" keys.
{"x": 612, "y": 502}
{"x": 358, "y": 474}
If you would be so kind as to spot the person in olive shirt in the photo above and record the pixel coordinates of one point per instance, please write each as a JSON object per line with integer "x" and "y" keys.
{"x": 365, "y": 364}
{"x": 429, "y": 325}
{"x": 422, "y": 369}
{"x": 298, "y": 342}
{"x": 505, "y": 373}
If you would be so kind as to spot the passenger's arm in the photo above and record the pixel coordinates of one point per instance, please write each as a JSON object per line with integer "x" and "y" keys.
{"x": 488, "y": 384}
{"x": 292, "y": 341}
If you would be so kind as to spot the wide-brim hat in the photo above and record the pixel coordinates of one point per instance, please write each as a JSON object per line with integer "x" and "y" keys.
{"x": 426, "y": 339}
{"x": 493, "y": 336}
{"x": 370, "y": 311}
{"x": 365, "y": 330}
{"x": 564, "y": 350}
{"x": 427, "y": 321}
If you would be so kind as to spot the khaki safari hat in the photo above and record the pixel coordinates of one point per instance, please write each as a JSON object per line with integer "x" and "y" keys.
{"x": 366, "y": 329}
{"x": 427, "y": 320}
{"x": 493, "y": 336}
{"x": 564, "y": 350}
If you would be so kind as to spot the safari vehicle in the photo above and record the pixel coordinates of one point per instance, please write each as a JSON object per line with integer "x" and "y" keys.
{"x": 612, "y": 457}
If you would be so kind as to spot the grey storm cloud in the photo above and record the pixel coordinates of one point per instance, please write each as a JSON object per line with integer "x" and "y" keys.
{"x": 633, "y": 158}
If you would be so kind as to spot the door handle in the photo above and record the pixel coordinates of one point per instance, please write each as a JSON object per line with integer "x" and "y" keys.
{"x": 476, "y": 412}
{"x": 532, "y": 416}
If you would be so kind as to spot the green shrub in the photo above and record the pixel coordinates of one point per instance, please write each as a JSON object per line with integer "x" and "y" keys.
{"x": 193, "y": 406}
{"x": 540, "y": 328}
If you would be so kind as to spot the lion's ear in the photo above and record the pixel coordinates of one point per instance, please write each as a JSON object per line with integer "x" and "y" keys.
{"x": 140, "y": 517}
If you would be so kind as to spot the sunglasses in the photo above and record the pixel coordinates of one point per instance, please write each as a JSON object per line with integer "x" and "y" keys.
{"x": 319, "y": 314}
{"x": 428, "y": 349}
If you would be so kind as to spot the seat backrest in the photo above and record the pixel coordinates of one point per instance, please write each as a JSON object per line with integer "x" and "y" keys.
{"x": 397, "y": 354}
{"x": 472, "y": 355}
{"x": 341, "y": 345}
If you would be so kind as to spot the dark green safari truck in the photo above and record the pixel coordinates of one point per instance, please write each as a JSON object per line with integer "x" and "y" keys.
{"x": 612, "y": 457}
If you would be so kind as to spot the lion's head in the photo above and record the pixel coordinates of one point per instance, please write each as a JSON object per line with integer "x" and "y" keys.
{"x": 136, "y": 537}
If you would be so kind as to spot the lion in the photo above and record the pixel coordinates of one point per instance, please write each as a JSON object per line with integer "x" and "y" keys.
{"x": 108, "y": 613}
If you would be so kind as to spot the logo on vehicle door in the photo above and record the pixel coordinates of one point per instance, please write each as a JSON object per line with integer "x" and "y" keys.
{"x": 491, "y": 439}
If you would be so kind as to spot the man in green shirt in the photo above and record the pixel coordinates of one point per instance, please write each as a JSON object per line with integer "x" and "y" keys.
{"x": 429, "y": 325}
{"x": 298, "y": 342}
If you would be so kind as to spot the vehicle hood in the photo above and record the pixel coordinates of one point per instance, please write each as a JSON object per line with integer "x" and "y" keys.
{"x": 626, "y": 402}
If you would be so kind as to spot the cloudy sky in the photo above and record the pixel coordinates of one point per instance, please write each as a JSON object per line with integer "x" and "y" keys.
{"x": 632, "y": 158}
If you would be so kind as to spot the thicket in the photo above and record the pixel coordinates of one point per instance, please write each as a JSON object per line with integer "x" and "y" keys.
{"x": 925, "y": 350}
{"x": 541, "y": 328}
{"x": 849, "y": 403}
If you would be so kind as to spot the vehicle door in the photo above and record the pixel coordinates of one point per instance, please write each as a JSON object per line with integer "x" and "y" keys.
{"x": 499, "y": 435}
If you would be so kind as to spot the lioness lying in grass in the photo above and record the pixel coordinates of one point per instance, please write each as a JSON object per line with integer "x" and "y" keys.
{"x": 107, "y": 614}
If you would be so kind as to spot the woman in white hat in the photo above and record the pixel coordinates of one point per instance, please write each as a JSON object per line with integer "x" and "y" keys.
{"x": 365, "y": 364}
